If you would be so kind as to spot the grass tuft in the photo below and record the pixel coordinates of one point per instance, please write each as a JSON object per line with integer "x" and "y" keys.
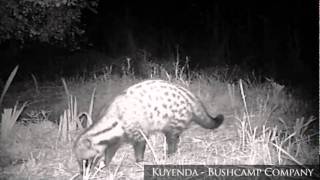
{"x": 8, "y": 120}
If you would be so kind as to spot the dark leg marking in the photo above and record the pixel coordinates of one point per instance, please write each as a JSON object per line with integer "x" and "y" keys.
{"x": 172, "y": 142}
{"x": 139, "y": 148}
{"x": 110, "y": 151}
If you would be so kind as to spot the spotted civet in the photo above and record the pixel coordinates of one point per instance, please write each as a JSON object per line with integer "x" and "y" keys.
{"x": 149, "y": 106}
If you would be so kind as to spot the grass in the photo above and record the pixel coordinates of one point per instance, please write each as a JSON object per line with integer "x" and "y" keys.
{"x": 8, "y": 83}
{"x": 8, "y": 119}
{"x": 264, "y": 124}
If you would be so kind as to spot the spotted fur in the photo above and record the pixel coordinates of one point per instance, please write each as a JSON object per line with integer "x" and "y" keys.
{"x": 149, "y": 106}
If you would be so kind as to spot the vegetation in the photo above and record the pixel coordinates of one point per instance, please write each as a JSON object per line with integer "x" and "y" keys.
{"x": 50, "y": 21}
{"x": 265, "y": 123}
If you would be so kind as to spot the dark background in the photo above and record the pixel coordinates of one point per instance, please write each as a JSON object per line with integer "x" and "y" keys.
{"x": 277, "y": 39}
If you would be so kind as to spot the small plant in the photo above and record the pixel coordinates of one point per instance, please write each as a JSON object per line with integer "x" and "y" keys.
{"x": 104, "y": 74}
{"x": 290, "y": 142}
{"x": 270, "y": 145}
{"x": 67, "y": 122}
{"x": 9, "y": 118}
{"x": 127, "y": 69}
{"x": 70, "y": 120}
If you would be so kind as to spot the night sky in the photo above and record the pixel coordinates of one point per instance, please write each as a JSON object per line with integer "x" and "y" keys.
{"x": 277, "y": 39}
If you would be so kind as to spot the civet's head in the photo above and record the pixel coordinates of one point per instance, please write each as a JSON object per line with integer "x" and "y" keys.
{"x": 98, "y": 139}
{"x": 83, "y": 147}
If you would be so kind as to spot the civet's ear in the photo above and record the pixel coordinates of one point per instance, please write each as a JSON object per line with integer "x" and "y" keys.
{"x": 84, "y": 120}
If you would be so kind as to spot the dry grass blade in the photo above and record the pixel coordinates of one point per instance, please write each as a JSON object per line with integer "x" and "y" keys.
{"x": 65, "y": 86}
{"x": 68, "y": 120}
{"x": 243, "y": 98}
{"x": 63, "y": 127}
{"x": 73, "y": 109}
{"x": 301, "y": 126}
{"x": 35, "y": 84}
{"x": 7, "y": 85}
{"x": 87, "y": 170}
{"x": 150, "y": 146}
{"x": 118, "y": 167}
{"x": 231, "y": 94}
{"x": 287, "y": 154}
{"x": 92, "y": 102}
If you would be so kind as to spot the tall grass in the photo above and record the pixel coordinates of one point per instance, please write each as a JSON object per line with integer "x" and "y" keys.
{"x": 271, "y": 145}
{"x": 8, "y": 83}
{"x": 71, "y": 119}
{"x": 9, "y": 116}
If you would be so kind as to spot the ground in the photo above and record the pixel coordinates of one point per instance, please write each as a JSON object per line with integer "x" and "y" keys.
{"x": 248, "y": 136}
